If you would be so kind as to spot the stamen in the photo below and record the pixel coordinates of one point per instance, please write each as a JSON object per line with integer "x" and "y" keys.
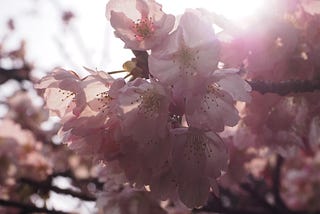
{"x": 67, "y": 95}
{"x": 143, "y": 28}
{"x": 213, "y": 93}
{"x": 187, "y": 59}
{"x": 150, "y": 104}
{"x": 104, "y": 100}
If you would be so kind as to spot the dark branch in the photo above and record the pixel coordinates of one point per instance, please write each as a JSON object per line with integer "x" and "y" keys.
{"x": 45, "y": 185}
{"x": 257, "y": 197}
{"x": 142, "y": 68}
{"x": 277, "y": 184}
{"x": 26, "y": 208}
{"x": 231, "y": 211}
{"x": 69, "y": 174}
{"x": 285, "y": 87}
{"x": 18, "y": 74}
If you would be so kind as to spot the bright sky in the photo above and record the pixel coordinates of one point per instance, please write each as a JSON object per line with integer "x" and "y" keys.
{"x": 232, "y": 9}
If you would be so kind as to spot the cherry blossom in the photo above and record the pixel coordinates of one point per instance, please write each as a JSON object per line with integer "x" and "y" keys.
{"x": 143, "y": 28}
{"x": 185, "y": 128}
{"x": 99, "y": 143}
{"x": 161, "y": 131}
{"x": 212, "y": 106}
{"x": 147, "y": 103}
{"x": 198, "y": 159}
{"x": 22, "y": 109}
{"x": 62, "y": 92}
{"x": 20, "y": 149}
{"x": 128, "y": 201}
{"x": 189, "y": 52}
{"x": 301, "y": 183}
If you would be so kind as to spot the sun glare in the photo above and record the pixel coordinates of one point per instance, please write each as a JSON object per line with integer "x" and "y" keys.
{"x": 235, "y": 10}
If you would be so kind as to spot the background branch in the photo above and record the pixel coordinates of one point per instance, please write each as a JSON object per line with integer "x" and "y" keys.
{"x": 26, "y": 208}
{"x": 276, "y": 180}
{"x": 285, "y": 87}
{"x": 46, "y": 185}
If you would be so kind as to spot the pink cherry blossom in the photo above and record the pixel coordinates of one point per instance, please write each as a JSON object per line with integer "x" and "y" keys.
{"x": 257, "y": 111}
{"x": 23, "y": 110}
{"x": 277, "y": 41}
{"x": 92, "y": 132}
{"x": 141, "y": 160}
{"x": 125, "y": 200}
{"x": 100, "y": 90}
{"x": 164, "y": 183}
{"x": 13, "y": 132}
{"x": 95, "y": 85}
{"x": 143, "y": 137}
{"x": 62, "y": 92}
{"x": 211, "y": 107}
{"x": 97, "y": 143}
{"x": 189, "y": 52}
{"x": 145, "y": 107}
{"x": 237, "y": 171}
{"x": 101, "y": 93}
{"x": 92, "y": 135}
{"x": 140, "y": 29}
{"x": 8, "y": 142}
{"x": 300, "y": 186}
{"x": 198, "y": 159}
{"x": 279, "y": 123}
{"x": 19, "y": 148}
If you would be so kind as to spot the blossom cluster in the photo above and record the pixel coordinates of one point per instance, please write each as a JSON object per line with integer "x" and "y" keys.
{"x": 159, "y": 129}
{"x": 282, "y": 124}
{"x": 20, "y": 150}
{"x": 28, "y": 158}
{"x": 285, "y": 125}
{"x": 172, "y": 128}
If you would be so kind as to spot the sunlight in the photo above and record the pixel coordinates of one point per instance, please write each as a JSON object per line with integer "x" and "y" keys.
{"x": 235, "y": 10}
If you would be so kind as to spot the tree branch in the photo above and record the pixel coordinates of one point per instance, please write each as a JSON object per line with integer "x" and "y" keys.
{"x": 285, "y": 87}
{"x": 46, "y": 185}
{"x": 69, "y": 174}
{"x": 231, "y": 211}
{"x": 276, "y": 180}
{"x": 18, "y": 74}
{"x": 26, "y": 208}
{"x": 257, "y": 197}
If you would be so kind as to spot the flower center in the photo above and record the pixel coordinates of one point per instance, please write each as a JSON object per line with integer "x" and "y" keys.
{"x": 151, "y": 102}
{"x": 210, "y": 98}
{"x": 104, "y": 99}
{"x": 143, "y": 28}
{"x": 187, "y": 59}
{"x": 67, "y": 97}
